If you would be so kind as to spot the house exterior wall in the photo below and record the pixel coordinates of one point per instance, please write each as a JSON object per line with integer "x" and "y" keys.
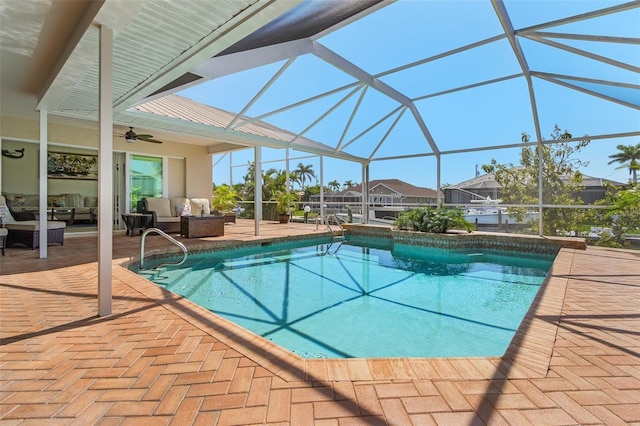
{"x": 20, "y": 175}
{"x": 189, "y": 165}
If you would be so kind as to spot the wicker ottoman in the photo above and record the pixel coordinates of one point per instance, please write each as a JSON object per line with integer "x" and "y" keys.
{"x": 27, "y": 233}
{"x": 201, "y": 226}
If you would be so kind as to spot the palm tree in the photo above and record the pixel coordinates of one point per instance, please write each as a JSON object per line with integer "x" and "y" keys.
{"x": 304, "y": 172}
{"x": 348, "y": 184}
{"x": 629, "y": 156}
{"x": 334, "y": 185}
{"x": 273, "y": 180}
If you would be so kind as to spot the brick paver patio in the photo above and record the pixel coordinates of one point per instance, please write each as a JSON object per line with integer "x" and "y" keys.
{"x": 159, "y": 359}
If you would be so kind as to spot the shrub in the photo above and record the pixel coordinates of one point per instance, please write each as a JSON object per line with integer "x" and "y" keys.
{"x": 431, "y": 220}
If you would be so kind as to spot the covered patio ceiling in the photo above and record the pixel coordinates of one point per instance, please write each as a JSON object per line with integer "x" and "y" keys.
{"x": 391, "y": 93}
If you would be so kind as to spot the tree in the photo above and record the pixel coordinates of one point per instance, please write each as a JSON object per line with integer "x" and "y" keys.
{"x": 628, "y": 157}
{"x": 225, "y": 198}
{"x": 561, "y": 181}
{"x": 303, "y": 172}
{"x": 348, "y": 184}
{"x": 273, "y": 180}
{"x": 334, "y": 185}
{"x": 622, "y": 214}
{"x": 249, "y": 187}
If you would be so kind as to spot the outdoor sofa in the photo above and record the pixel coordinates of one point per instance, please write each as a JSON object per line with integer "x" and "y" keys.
{"x": 65, "y": 207}
{"x": 166, "y": 212}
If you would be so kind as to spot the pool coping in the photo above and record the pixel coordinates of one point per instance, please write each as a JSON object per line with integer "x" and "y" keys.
{"x": 527, "y": 356}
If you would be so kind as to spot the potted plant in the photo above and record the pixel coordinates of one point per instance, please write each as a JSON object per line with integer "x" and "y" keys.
{"x": 225, "y": 199}
{"x": 285, "y": 205}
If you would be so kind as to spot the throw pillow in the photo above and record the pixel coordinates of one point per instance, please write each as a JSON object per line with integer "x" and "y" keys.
{"x": 56, "y": 201}
{"x": 183, "y": 210}
{"x": 5, "y": 215}
{"x": 16, "y": 200}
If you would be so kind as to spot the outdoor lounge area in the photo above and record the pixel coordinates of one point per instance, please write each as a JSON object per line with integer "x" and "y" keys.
{"x": 158, "y": 358}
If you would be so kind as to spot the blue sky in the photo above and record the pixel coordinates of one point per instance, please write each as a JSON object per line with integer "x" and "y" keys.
{"x": 489, "y": 115}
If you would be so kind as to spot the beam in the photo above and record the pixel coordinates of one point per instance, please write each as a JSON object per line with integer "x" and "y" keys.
{"x": 66, "y": 25}
{"x": 507, "y": 26}
{"x": 232, "y": 63}
{"x": 348, "y": 67}
{"x": 240, "y": 26}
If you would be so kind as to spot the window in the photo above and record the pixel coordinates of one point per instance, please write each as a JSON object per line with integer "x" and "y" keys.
{"x": 146, "y": 178}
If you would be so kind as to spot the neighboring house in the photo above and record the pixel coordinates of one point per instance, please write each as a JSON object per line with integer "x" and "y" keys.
{"x": 485, "y": 186}
{"x": 382, "y": 192}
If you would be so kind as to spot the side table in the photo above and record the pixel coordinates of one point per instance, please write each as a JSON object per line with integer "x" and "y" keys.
{"x": 136, "y": 221}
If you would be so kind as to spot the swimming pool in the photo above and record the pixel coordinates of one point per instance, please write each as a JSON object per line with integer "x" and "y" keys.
{"x": 365, "y": 297}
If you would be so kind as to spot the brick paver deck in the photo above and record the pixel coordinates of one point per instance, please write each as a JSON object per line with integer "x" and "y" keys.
{"x": 159, "y": 359}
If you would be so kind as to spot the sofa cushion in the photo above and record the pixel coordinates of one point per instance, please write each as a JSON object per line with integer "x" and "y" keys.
{"x": 91, "y": 201}
{"x": 73, "y": 200}
{"x": 30, "y": 201}
{"x": 159, "y": 205}
{"x": 169, "y": 219}
{"x": 179, "y": 206}
{"x": 34, "y": 225}
{"x": 200, "y": 206}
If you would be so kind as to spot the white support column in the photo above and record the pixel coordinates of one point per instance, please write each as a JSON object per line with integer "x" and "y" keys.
{"x": 540, "y": 187}
{"x": 42, "y": 165}
{"x": 286, "y": 170}
{"x": 365, "y": 194}
{"x": 127, "y": 183}
{"x": 322, "y": 213}
{"x": 438, "y": 172}
{"x": 258, "y": 190}
{"x": 165, "y": 177}
{"x": 230, "y": 168}
{"x": 105, "y": 172}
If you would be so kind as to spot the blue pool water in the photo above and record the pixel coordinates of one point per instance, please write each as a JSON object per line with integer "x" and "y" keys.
{"x": 344, "y": 300}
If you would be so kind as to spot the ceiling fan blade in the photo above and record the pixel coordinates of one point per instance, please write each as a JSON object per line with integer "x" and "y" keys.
{"x": 149, "y": 139}
{"x": 144, "y": 136}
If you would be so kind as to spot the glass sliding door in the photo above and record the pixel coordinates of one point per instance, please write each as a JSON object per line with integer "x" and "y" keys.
{"x": 145, "y": 179}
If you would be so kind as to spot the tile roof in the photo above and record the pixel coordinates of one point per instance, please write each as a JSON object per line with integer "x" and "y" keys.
{"x": 397, "y": 185}
{"x": 487, "y": 181}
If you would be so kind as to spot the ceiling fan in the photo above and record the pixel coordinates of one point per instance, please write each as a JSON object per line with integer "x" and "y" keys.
{"x": 132, "y": 137}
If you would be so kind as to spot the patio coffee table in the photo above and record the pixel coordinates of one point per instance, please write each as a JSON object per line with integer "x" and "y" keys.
{"x": 201, "y": 226}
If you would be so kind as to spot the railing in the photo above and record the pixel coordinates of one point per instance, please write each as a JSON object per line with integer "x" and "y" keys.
{"x": 168, "y": 237}
{"x": 326, "y": 220}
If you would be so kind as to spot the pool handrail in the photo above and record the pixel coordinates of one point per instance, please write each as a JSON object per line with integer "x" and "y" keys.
{"x": 166, "y": 236}
{"x": 326, "y": 222}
